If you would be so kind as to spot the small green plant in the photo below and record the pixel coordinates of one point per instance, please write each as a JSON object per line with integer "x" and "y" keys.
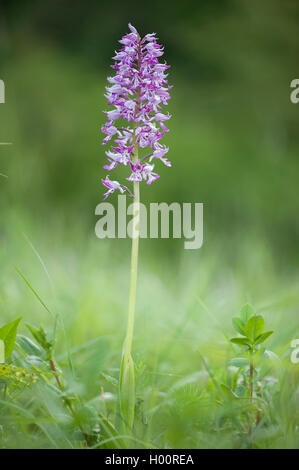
{"x": 250, "y": 381}
{"x": 251, "y": 328}
{"x": 47, "y": 347}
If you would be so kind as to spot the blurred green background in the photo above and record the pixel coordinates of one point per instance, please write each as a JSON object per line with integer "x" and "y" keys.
{"x": 233, "y": 144}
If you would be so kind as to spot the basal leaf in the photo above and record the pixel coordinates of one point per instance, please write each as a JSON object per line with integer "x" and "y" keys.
{"x": 127, "y": 390}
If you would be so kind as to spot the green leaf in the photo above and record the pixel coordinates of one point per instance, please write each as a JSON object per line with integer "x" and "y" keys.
{"x": 239, "y": 362}
{"x": 127, "y": 390}
{"x": 254, "y": 327}
{"x": 261, "y": 338}
{"x": 241, "y": 341}
{"x": 8, "y": 335}
{"x": 246, "y": 312}
{"x": 34, "y": 292}
{"x": 29, "y": 347}
{"x": 238, "y": 325}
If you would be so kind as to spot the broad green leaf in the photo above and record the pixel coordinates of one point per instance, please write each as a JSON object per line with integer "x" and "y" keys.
{"x": 254, "y": 327}
{"x": 238, "y": 325}
{"x": 261, "y": 338}
{"x": 241, "y": 341}
{"x": 8, "y": 335}
{"x": 239, "y": 362}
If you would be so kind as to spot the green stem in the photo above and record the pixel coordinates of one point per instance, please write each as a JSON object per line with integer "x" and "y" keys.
{"x": 251, "y": 369}
{"x": 67, "y": 402}
{"x": 134, "y": 265}
{"x": 127, "y": 375}
{"x": 251, "y": 377}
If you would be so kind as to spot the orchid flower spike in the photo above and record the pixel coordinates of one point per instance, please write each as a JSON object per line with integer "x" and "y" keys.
{"x": 137, "y": 92}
